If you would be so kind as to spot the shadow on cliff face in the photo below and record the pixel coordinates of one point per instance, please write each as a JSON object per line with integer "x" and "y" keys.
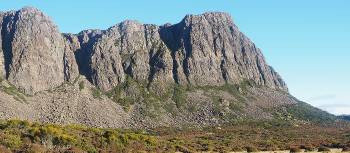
{"x": 83, "y": 54}
{"x": 173, "y": 36}
{"x": 7, "y": 35}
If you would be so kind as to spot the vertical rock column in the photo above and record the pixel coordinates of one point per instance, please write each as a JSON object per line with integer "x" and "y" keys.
{"x": 34, "y": 50}
{"x": 2, "y": 66}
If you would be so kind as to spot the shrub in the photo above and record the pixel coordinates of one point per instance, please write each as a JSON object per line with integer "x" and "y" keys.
{"x": 81, "y": 85}
{"x": 308, "y": 147}
{"x": 35, "y": 148}
{"x": 179, "y": 96}
{"x": 346, "y": 149}
{"x": 295, "y": 149}
{"x": 111, "y": 136}
{"x": 336, "y": 145}
{"x": 183, "y": 149}
{"x": 74, "y": 150}
{"x": 124, "y": 102}
{"x": 323, "y": 149}
{"x": 64, "y": 140}
{"x": 88, "y": 148}
{"x": 11, "y": 140}
{"x": 96, "y": 93}
{"x": 251, "y": 149}
{"x": 151, "y": 141}
{"x": 3, "y": 149}
{"x": 12, "y": 90}
{"x": 17, "y": 124}
{"x": 237, "y": 149}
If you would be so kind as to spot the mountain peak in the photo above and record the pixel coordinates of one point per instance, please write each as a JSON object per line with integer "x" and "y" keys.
{"x": 221, "y": 15}
{"x": 210, "y": 17}
{"x": 32, "y": 47}
{"x": 29, "y": 9}
{"x": 211, "y": 53}
{"x": 201, "y": 71}
{"x": 32, "y": 12}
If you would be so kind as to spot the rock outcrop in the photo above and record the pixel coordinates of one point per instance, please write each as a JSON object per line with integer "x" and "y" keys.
{"x": 209, "y": 49}
{"x": 33, "y": 51}
{"x": 130, "y": 49}
{"x": 201, "y": 50}
{"x": 2, "y": 59}
{"x": 202, "y": 71}
{"x": 71, "y": 69}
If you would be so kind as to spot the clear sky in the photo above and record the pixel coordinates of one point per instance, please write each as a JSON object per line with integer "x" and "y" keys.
{"x": 306, "y": 41}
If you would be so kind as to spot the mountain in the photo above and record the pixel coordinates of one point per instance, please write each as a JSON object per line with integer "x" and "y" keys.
{"x": 344, "y": 117}
{"x": 202, "y": 71}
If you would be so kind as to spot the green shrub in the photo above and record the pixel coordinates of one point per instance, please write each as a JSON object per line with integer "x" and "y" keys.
{"x": 81, "y": 85}
{"x": 124, "y": 102}
{"x": 13, "y": 123}
{"x": 251, "y": 149}
{"x": 111, "y": 136}
{"x": 323, "y": 149}
{"x": 96, "y": 93}
{"x": 236, "y": 106}
{"x": 307, "y": 147}
{"x": 179, "y": 96}
{"x": 183, "y": 149}
{"x": 74, "y": 150}
{"x": 64, "y": 140}
{"x": 12, "y": 90}
{"x": 11, "y": 140}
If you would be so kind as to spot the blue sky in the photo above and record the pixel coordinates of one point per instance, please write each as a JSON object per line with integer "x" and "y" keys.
{"x": 306, "y": 41}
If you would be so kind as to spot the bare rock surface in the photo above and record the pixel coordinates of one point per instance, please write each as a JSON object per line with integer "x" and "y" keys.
{"x": 205, "y": 49}
{"x": 202, "y": 71}
{"x": 2, "y": 59}
{"x": 71, "y": 69}
{"x": 210, "y": 50}
{"x": 33, "y": 49}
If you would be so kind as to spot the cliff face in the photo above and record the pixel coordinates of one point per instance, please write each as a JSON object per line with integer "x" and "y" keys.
{"x": 202, "y": 71}
{"x": 130, "y": 49}
{"x": 209, "y": 49}
{"x": 33, "y": 50}
{"x": 201, "y": 50}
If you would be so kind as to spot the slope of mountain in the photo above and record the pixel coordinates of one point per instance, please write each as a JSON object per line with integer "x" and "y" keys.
{"x": 202, "y": 71}
{"x": 344, "y": 117}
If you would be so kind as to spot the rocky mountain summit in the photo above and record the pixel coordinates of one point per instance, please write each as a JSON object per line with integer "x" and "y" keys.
{"x": 205, "y": 49}
{"x": 201, "y": 71}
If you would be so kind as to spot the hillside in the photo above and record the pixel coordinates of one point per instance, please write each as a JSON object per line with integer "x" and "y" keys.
{"x": 344, "y": 117}
{"x": 200, "y": 72}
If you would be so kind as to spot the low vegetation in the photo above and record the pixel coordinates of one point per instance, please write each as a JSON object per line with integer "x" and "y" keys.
{"x": 81, "y": 85}
{"x": 13, "y": 91}
{"x": 306, "y": 112}
{"x": 23, "y": 136}
{"x": 323, "y": 149}
{"x": 96, "y": 93}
